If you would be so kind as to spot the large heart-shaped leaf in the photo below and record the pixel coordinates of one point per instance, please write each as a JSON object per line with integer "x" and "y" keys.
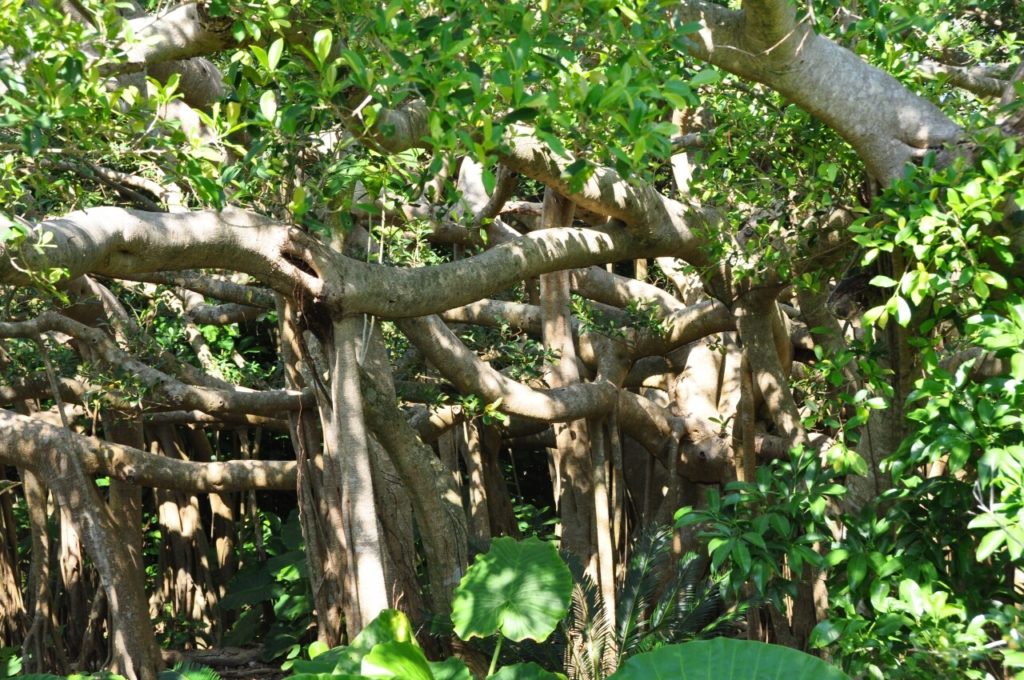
{"x": 520, "y": 588}
{"x": 726, "y": 659}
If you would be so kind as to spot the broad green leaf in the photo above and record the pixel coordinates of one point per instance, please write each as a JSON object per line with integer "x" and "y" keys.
{"x": 857, "y": 569}
{"x": 883, "y": 281}
{"x": 518, "y": 588}
{"x": 526, "y": 671}
{"x": 824, "y": 634}
{"x": 250, "y": 586}
{"x": 451, "y": 668}
{"x": 990, "y": 543}
{"x": 397, "y": 660}
{"x": 726, "y": 659}
{"x": 910, "y": 593}
{"x": 389, "y": 626}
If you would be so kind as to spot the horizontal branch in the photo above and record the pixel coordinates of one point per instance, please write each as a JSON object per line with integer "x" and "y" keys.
{"x": 984, "y": 81}
{"x": 122, "y": 243}
{"x": 211, "y": 286}
{"x": 393, "y": 293}
{"x": 176, "y": 394}
{"x": 21, "y": 439}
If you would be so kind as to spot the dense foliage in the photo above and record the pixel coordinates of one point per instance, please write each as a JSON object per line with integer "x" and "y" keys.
{"x": 332, "y": 332}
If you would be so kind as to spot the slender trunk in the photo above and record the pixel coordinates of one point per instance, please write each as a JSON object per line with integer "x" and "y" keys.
{"x": 39, "y": 648}
{"x": 743, "y": 426}
{"x": 125, "y": 501}
{"x": 499, "y": 502}
{"x": 435, "y": 498}
{"x": 222, "y": 525}
{"x": 187, "y": 578}
{"x": 74, "y": 585}
{"x": 348, "y": 444}
{"x": 766, "y": 347}
{"x": 12, "y": 607}
{"x": 478, "y": 510}
{"x": 574, "y": 478}
{"x": 759, "y": 331}
{"x": 605, "y": 548}
{"x": 398, "y": 534}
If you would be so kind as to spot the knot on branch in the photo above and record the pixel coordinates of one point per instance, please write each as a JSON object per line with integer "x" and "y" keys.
{"x": 211, "y": 23}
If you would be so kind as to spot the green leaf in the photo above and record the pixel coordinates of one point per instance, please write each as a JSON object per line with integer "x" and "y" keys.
{"x": 903, "y": 312}
{"x": 883, "y": 281}
{"x": 389, "y": 626}
{"x": 990, "y": 543}
{"x": 250, "y": 586}
{"x": 521, "y": 589}
{"x": 857, "y": 569}
{"x": 322, "y": 40}
{"x": 268, "y": 105}
{"x": 707, "y": 76}
{"x": 274, "y": 54}
{"x": 397, "y": 660}
{"x": 726, "y": 659}
{"x": 451, "y": 668}
{"x": 525, "y": 671}
{"x": 824, "y": 634}
{"x": 910, "y": 593}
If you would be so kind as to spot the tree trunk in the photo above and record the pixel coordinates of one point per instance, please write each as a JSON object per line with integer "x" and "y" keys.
{"x": 477, "y": 506}
{"x": 13, "y": 617}
{"x": 345, "y": 438}
{"x": 574, "y": 474}
{"x": 319, "y": 490}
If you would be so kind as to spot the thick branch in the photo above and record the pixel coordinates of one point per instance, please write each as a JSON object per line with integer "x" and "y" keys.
{"x": 179, "y": 33}
{"x": 120, "y": 243}
{"x": 887, "y": 124}
{"x": 22, "y": 437}
{"x": 472, "y": 376}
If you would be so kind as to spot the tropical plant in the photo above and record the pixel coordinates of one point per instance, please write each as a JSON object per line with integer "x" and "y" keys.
{"x": 517, "y": 590}
{"x": 727, "y": 659}
{"x": 660, "y": 600}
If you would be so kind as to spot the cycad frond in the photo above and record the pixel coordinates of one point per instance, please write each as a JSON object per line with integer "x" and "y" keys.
{"x": 640, "y": 582}
{"x": 659, "y": 602}
{"x": 189, "y": 670}
{"x": 590, "y": 649}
